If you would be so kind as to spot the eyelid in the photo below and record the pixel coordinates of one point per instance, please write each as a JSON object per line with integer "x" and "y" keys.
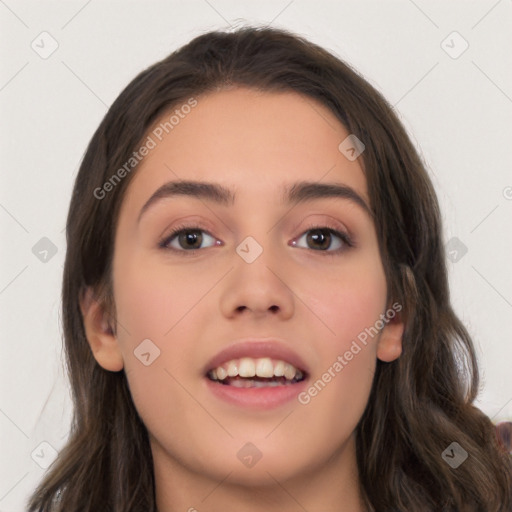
{"x": 188, "y": 222}
{"x": 321, "y": 220}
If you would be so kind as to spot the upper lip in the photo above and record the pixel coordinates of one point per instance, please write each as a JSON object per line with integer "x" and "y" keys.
{"x": 257, "y": 348}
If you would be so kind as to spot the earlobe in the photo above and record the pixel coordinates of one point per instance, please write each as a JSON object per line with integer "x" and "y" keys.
{"x": 389, "y": 346}
{"x": 99, "y": 333}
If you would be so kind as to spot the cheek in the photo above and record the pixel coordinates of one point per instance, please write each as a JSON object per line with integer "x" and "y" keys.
{"x": 151, "y": 299}
{"x": 336, "y": 399}
{"x": 347, "y": 302}
{"x": 149, "y": 311}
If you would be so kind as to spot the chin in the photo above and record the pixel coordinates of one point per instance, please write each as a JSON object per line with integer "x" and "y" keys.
{"x": 250, "y": 467}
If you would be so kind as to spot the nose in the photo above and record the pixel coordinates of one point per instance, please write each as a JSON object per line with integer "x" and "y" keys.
{"x": 257, "y": 286}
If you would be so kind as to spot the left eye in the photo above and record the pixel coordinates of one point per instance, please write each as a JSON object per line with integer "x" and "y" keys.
{"x": 322, "y": 237}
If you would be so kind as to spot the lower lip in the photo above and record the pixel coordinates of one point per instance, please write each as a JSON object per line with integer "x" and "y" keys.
{"x": 256, "y": 398}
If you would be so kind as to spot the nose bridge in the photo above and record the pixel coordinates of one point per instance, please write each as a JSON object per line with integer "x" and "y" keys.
{"x": 257, "y": 281}
{"x": 259, "y": 233}
{"x": 260, "y": 258}
{"x": 250, "y": 250}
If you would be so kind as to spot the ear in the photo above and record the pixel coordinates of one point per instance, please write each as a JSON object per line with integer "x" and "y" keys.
{"x": 99, "y": 333}
{"x": 389, "y": 346}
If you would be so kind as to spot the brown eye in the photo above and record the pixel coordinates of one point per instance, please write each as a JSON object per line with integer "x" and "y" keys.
{"x": 190, "y": 239}
{"x": 324, "y": 239}
{"x": 319, "y": 238}
{"x": 186, "y": 239}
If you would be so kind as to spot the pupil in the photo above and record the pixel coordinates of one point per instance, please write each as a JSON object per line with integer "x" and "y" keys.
{"x": 319, "y": 235}
{"x": 191, "y": 237}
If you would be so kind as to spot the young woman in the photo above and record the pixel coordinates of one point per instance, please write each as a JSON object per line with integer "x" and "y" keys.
{"x": 255, "y": 301}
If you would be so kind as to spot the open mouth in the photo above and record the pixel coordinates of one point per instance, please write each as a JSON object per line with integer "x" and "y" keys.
{"x": 263, "y": 372}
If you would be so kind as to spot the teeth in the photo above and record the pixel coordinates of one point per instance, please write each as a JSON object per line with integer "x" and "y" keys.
{"x": 221, "y": 373}
{"x": 289, "y": 371}
{"x": 248, "y": 367}
{"x": 265, "y": 368}
{"x": 232, "y": 369}
{"x": 279, "y": 369}
{"x": 250, "y": 383}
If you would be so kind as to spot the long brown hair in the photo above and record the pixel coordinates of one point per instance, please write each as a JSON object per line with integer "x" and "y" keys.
{"x": 419, "y": 404}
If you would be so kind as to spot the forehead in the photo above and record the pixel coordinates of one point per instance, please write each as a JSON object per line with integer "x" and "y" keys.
{"x": 253, "y": 142}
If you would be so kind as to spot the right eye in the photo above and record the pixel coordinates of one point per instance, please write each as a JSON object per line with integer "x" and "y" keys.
{"x": 186, "y": 239}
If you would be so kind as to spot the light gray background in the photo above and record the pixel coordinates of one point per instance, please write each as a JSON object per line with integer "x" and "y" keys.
{"x": 457, "y": 110}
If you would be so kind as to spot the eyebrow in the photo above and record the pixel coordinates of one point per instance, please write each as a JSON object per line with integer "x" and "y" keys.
{"x": 299, "y": 192}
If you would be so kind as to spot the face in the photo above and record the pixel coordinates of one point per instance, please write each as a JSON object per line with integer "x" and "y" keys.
{"x": 265, "y": 275}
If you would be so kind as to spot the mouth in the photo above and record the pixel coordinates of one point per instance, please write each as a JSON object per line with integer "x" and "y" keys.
{"x": 259, "y": 375}
{"x": 263, "y": 372}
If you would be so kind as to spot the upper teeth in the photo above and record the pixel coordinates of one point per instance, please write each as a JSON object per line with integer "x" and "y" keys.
{"x": 248, "y": 367}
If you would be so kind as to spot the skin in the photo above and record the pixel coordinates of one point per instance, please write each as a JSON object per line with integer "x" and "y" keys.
{"x": 192, "y": 307}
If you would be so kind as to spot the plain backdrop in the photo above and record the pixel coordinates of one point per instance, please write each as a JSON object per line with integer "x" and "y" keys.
{"x": 445, "y": 66}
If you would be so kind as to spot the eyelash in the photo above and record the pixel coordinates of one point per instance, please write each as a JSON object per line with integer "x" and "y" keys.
{"x": 344, "y": 237}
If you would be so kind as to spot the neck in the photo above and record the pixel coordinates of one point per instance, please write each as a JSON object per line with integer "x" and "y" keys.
{"x": 333, "y": 486}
